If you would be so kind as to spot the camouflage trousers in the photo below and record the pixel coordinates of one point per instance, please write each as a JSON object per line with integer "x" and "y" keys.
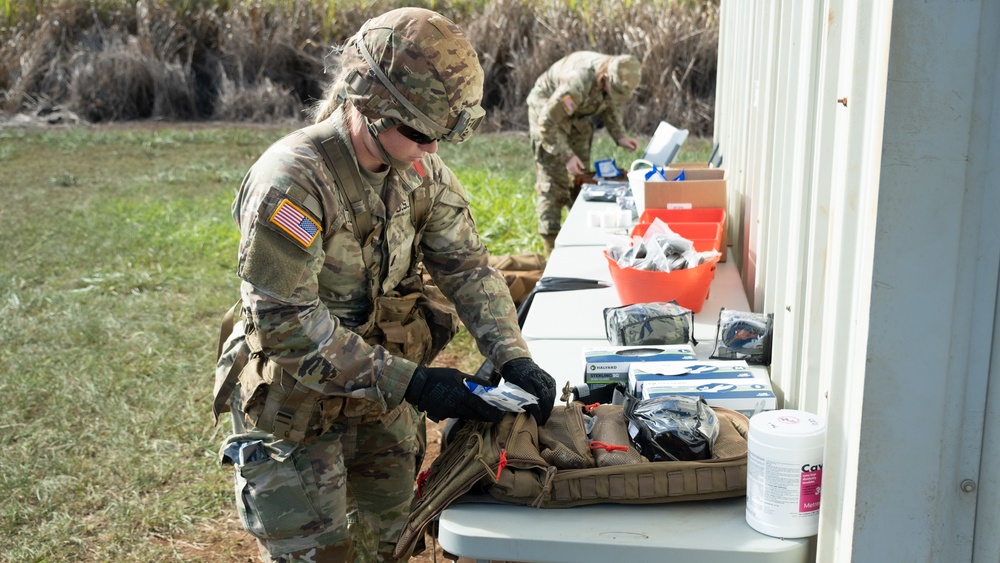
{"x": 344, "y": 498}
{"x": 554, "y": 189}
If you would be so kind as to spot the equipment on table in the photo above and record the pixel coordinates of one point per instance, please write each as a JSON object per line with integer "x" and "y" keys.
{"x": 517, "y": 461}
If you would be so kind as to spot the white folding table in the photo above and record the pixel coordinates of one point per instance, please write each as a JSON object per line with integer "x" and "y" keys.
{"x": 712, "y": 531}
{"x": 578, "y": 262}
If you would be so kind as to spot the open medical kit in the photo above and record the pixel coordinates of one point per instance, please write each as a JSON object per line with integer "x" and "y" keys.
{"x": 585, "y": 454}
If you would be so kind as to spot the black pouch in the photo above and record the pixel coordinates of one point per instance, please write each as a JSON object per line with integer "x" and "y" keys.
{"x": 649, "y": 323}
{"x": 672, "y": 427}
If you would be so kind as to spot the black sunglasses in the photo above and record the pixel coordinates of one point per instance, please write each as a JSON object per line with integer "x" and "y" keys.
{"x": 416, "y": 136}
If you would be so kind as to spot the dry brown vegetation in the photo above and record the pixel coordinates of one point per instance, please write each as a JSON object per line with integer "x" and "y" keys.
{"x": 262, "y": 61}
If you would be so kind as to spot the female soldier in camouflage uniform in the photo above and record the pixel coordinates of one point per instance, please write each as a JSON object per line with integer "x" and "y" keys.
{"x": 575, "y": 89}
{"x": 334, "y": 333}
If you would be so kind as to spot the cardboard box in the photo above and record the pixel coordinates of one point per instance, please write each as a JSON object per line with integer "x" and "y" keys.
{"x": 701, "y": 187}
{"x": 640, "y": 374}
{"x": 610, "y": 364}
{"x": 686, "y": 165}
{"x": 746, "y": 396}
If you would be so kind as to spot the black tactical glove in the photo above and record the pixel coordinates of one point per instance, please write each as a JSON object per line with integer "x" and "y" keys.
{"x": 441, "y": 393}
{"x": 526, "y": 374}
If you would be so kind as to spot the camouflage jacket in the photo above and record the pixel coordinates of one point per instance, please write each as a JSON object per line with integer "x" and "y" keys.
{"x": 305, "y": 285}
{"x": 568, "y": 92}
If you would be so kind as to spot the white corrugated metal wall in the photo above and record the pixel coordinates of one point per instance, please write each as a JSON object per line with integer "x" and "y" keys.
{"x": 801, "y": 105}
{"x": 803, "y": 186}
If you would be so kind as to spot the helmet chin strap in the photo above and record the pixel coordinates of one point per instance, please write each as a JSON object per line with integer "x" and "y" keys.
{"x": 374, "y": 129}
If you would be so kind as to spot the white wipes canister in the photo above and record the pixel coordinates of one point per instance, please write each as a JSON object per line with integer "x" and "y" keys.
{"x": 785, "y": 472}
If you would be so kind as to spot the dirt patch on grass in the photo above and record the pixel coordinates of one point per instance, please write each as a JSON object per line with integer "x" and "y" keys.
{"x": 222, "y": 541}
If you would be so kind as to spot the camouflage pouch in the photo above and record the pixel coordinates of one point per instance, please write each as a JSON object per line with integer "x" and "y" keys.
{"x": 649, "y": 323}
{"x": 415, "y": 321}
{"x": 610, "y": 435}
{"x": 273, "y": 401}
{"x": 441, "y": 318}
{"x": 522, "y": 474}
{"x": 563, "y": 439}
{"x": 402, "y": 324}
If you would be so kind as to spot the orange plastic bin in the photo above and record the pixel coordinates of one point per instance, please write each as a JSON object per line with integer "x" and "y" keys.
{"x": 705, "y": 236}
{"x": 674, "y": 217}
{"x": 689, "y": 287}
{"x": 694, "y": 215}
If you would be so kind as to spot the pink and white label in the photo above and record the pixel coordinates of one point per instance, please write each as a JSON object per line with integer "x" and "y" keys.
{"x": 810, "y": 485}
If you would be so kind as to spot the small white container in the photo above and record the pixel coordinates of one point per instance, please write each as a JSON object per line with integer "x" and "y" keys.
{"x": 624, "y": 217}
{"x": 609, "y": 219}
{"x": 594, "y": 218}
{"x": 637, "y": 181}
{"x": 785, "y": 472}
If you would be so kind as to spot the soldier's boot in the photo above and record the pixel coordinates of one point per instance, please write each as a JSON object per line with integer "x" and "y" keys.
{"x": 550, "y": 243}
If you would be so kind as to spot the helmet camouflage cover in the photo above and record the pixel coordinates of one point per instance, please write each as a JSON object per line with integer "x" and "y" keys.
{"x": 416, "y": 67}
{"x": 624, "y": 73}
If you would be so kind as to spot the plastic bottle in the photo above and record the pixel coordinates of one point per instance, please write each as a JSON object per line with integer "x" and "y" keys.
{"x": 785, "y": 472}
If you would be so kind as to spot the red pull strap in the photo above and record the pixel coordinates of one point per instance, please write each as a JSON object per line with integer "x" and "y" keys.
{"x": 589, "y": 409}
{"x": 596, "y": 445}
{"x": 421, "y": 479}
{"x": 502, "y": 464}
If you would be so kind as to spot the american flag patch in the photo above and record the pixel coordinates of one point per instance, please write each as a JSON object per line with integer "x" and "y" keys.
{"x": 568, "y": 103}
{"x": 293, "y": 221}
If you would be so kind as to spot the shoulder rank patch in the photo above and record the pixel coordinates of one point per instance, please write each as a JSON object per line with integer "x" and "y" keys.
{"x": 295, "y": 222}
{"x": 568, "y": 103}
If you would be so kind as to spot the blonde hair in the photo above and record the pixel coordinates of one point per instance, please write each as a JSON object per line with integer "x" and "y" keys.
{"x": 332, "y": 93}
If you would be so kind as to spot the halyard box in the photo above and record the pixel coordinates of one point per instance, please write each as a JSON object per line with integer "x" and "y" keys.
{"x": 610, "y": 364}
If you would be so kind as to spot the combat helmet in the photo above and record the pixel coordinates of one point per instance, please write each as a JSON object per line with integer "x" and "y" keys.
{"x": 416, "y": 67}
{"x": 624, "y": 73}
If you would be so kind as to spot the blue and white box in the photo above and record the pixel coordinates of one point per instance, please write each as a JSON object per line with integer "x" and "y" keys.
{"x": 748, "y": 396}
{"x": 639, "y": 374}
{"x": 610, "y": 364}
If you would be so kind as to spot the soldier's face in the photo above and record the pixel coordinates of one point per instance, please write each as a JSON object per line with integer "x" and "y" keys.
{"x": 401, "y": 148}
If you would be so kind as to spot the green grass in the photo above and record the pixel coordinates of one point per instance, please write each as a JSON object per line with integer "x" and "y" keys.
{"x": 117, "y": 260}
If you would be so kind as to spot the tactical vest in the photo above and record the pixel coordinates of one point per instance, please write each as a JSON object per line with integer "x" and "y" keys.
{"x": 415, "y": 322}
{"x": 558, "y": 465}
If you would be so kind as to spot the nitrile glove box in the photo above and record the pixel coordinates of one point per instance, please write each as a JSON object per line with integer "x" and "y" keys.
{"x": 610, "y": 364}
{"x": 748, "y": 396}
{"x": 639, "y": 374}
